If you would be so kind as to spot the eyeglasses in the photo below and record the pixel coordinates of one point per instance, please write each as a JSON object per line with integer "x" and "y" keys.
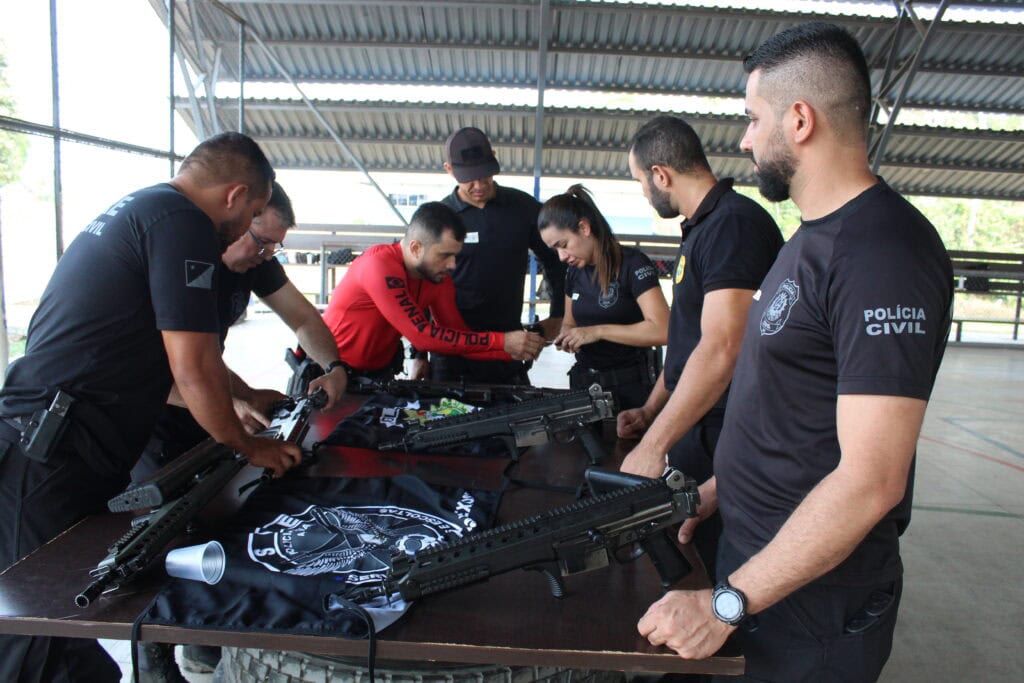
{"x": 264, "y": 245}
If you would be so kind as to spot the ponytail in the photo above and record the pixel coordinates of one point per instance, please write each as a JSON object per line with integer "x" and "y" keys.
{"x": 565, "y": 211}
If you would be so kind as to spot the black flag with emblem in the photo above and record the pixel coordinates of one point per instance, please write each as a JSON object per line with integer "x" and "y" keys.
{"x": 297, "y": 539}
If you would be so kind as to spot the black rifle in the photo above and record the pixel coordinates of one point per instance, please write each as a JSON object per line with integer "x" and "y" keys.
{"x": 529, "y": 423}
{"x": 627, "y": 516}
{"x": 179, "y": 492}
{"x": 304, "y": 371}
{"x": 470, "y": 393}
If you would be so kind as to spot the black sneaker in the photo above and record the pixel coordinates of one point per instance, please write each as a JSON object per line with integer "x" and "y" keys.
{"x": 200, "y": 659}
{"x": 157, "y": 665}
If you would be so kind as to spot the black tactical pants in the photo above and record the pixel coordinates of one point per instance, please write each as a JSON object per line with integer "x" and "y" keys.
{"x": 819, "y": 634}
{"x": 38, "y": 501}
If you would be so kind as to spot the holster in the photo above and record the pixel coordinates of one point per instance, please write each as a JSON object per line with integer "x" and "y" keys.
{"x": 42, "y": 430}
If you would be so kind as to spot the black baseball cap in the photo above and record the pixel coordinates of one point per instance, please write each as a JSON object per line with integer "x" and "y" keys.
{"x": 470, "y": 155}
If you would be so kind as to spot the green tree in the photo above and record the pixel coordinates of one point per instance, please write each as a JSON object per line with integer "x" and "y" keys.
{"x": 13, "y": 146}
{"x": 975, "y": 224}
{"x": 964, "y": 224}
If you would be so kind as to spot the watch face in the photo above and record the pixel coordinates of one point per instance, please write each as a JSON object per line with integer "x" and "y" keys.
{"x": 728, "y": 605}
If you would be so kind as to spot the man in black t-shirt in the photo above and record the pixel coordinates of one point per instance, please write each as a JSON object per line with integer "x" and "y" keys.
{"x": 248, "y": 266}
{"x": 490, "y": 271}
{"x": 728, "y": 244}
{"x": 131, "y": 307}
{"x": 814, "y": 465}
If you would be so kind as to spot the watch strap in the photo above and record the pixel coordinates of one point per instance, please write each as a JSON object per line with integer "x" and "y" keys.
{"x": 333, "y": 365}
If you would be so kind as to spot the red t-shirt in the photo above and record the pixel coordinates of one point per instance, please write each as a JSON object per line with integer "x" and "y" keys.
{"x": 377, "y": 302}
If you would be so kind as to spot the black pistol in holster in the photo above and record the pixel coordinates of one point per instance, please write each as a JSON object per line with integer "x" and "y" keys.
{"x": 45, "y": 427}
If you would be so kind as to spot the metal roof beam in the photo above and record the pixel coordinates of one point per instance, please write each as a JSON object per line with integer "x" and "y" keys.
{"x": 648, "y": 10}
{"x": 538, "y": 124}
{"x": 327, "y": 126}
{"x": 912, "y": 103}
{"x": 435, "y": 108}
{"x": 498, "y": 4}
{"x": 877, "y": 149}
{"x": 31, "y": 128}
{"x": 668, "y": 52}
{"x": 716, "y": 151}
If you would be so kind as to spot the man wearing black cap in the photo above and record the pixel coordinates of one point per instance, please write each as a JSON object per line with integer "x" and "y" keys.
{"x": 490, "y": 271}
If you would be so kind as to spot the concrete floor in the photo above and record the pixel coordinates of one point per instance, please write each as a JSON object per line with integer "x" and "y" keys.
{"x": 962, "y": 616}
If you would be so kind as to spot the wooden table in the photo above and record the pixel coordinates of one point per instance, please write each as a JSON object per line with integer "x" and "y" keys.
{"x": 510, "y": 620}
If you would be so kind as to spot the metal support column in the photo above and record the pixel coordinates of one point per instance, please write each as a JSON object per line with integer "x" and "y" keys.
{"x": 241, "y": 77}
{"x": 171, "y": 46}
{"x": 887, "y": 75}
{"x": 206, "y": 77}
{"x": 211, "y": 93}
{"x": 58, "y": 192}
{"x": 538, "y": 133}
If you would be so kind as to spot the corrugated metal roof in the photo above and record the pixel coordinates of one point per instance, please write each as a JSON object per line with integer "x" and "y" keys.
{"x": 586, "y": 143}
{"x": 605, "y": 47}
{"x": 593, "y": 45}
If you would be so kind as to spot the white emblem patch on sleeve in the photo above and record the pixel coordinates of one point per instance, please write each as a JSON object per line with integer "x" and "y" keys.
{"x": 199, "y": 274}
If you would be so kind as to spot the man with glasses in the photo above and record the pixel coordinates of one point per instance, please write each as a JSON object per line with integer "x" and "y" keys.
{"x": 265, "y": 248}
{"x": 250, "y": 266}
{"x": 247, "y": 267}
{"x": 131, "y": 308}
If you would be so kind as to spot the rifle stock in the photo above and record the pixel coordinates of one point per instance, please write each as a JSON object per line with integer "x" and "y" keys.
{"x": 181, "y": 491}
{"x": 561, "y": 542}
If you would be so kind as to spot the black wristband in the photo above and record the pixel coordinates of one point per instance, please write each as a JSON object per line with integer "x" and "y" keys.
{"x": 337, "y": 364}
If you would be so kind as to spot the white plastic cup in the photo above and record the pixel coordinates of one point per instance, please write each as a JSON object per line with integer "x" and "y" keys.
{"x": 203, "y": 562}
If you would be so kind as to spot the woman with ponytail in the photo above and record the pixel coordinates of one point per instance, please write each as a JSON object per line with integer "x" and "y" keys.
{"x": 615, "y": 310}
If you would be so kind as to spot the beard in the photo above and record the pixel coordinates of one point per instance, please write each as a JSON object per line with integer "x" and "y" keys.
{"x": 229, "y": 231}
{"x": 437, "y": 277}
{"x": 775, "y": 175}
{"x": 661, "y": 202}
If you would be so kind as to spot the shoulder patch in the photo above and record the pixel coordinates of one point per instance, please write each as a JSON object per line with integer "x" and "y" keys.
{"x": 199, "y": 274}
{"x": 394, "y": 282}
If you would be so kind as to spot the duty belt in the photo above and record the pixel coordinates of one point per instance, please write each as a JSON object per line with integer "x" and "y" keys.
{"x": 40, "y": 432}
{"x": 636, "y": 372}
{"x": 11, "y": 428}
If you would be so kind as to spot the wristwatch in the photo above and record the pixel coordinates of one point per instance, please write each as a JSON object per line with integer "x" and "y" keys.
{"x": 728, "y": 604}
{"x": 337, "y": 364}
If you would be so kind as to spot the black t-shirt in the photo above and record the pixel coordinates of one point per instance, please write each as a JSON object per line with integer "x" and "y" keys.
{"x": 858, "y": 302}
{"x": 175, "y": 426}
{"x": 490, "y": 271}
{"x": 617, "y": 307}
{"x": 147, "y": 264}
{"x": 234, "y": 290}
{"x": 729, "y": 243}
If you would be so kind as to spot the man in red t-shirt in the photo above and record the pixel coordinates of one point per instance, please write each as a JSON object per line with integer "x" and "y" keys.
{"x": 405, "y": 290}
